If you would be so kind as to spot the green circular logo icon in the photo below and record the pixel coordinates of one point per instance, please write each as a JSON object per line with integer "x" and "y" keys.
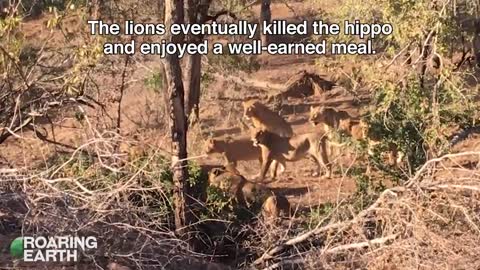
{"x": 16, "y": 247}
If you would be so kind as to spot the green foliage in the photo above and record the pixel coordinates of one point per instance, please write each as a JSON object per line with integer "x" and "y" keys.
{"x": 206, "y": 79}
{"x": 227, "y": 63}
{"x": 36, "y": 7}
{"x": 195, "y": 174}
{"x": 417, "y": 121}
{"x": 155, "y": 81}
{"x": 367, "y": 188}
{"x": 415, "y": 112}
{"x": 408, "y": 18}
{"x": 318, "y": 214}
{"x": 9, "y": 24}
{"x": 221, "y": 205}
{"x": 150, "y": 187}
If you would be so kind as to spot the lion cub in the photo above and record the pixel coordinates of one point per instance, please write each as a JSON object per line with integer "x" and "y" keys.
{"x": 295, "y": 148}
{"x": 276, "y": 206}
{"x": 244, "y": 191}
{"x": 265, "y": 119}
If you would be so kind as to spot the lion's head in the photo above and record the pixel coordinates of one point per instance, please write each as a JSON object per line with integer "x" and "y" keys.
{"x": 317, "y": 115}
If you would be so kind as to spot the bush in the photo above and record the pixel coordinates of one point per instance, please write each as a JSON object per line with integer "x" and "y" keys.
{"x": 414, "y": 106}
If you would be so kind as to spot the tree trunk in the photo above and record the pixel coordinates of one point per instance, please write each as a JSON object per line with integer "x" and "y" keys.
{"x": 476, "y": 43}
{"x": 265, "y": 17}
{"x": 178, "y": 125}
{"x": 194, "y": 67}
{"x": 197, "y": 12}
{"x": 95, "y": 9}
{"x": 161, "y": 9}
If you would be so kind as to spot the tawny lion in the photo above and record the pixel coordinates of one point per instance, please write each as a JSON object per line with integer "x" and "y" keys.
{"x": 295, "y": 148}
{"x": 265, "y": 119}
{"x": 337, "y": 120}
{"x": 234, "y": 150}
{"x": 246, "y": 192}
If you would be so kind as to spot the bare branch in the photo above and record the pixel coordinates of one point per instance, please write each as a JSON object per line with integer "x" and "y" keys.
{"x": 215, "y": 17}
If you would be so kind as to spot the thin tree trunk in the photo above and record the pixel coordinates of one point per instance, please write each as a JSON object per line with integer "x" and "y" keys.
{"x": 178, "y": 125}
{"x": 476, "y": 42}
{"x": 426, "y": 50}
{"x": 265, "y": 17}
{"x": 194, "y": 67}
{"x": 197, "y": 13}
{"x": 95, "y": 9}
{"x": 161, "y": 9}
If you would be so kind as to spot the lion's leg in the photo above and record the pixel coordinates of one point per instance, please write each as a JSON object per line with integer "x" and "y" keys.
{"x": 392, "y": 160}
{"x": 324, "y": 158}
{"x": 276, "y": 168}
{"x": 266, "y": 162}
{"x": 400, "y": 156}
{"x": 394, "y": 156}
{"x": 331, "y": 146}
{"x": 264, "y": 169}
{"x": 229, "y": 160}
{"x": 319, "y": 166}
{"x": 283, "y": 166}
{"x": 273, "y": 169}
{"x": 368, "y": 159}
{"x": 371, "y": 146}
{"x": 368, "y": 171}
{"x": 240, "y": 197}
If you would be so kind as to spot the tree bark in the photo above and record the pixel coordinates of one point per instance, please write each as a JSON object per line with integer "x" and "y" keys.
{"x": 95, "y": 9}
{"x": 197, "y": 12}
{"x": 174, "y": 14}
{"x": 194, "y": 67}
{"x": 265, "y": 17}
{"x": 476, "y": 43}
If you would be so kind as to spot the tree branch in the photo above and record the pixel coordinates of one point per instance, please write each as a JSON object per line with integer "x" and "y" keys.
{"x": 298, "y": 260}
{"x": 318, "y": 230}
{"x": 214, "y": 18}
{"x": 10, "y": 132}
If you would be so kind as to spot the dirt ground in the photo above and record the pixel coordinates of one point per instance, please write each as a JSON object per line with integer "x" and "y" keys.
{"x": 142, "y": 114}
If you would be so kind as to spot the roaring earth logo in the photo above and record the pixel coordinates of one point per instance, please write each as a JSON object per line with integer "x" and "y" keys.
{"x": 51, "y": 249}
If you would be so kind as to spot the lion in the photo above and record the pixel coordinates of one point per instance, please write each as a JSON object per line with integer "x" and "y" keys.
{"x": 331, "y": 118}
{"x": 238, "y": 149}
{"x": 276, "y": 206}
{"x": 358, "y": 129}
{"x": 295, "y": 148}
{"x": 243, "y": 191}
{"x": 233, "y": 150}
{"x": 264, "y": 118}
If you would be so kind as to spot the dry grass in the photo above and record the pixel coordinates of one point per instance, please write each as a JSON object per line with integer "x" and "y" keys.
{"x": 431, "y": 223}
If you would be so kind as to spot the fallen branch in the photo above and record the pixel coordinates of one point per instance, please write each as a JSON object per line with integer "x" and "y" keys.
{"x": 285, "y": 262}
{"x": 415, "y": 179}
{"x": 318, "y": 230}
{"x": 446, "y": 186}
{"x": 377, "y": 241}
{"x": 215, "y": 17}
{"x": 9, "y": 132}
{"x": 360, "y": 245}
